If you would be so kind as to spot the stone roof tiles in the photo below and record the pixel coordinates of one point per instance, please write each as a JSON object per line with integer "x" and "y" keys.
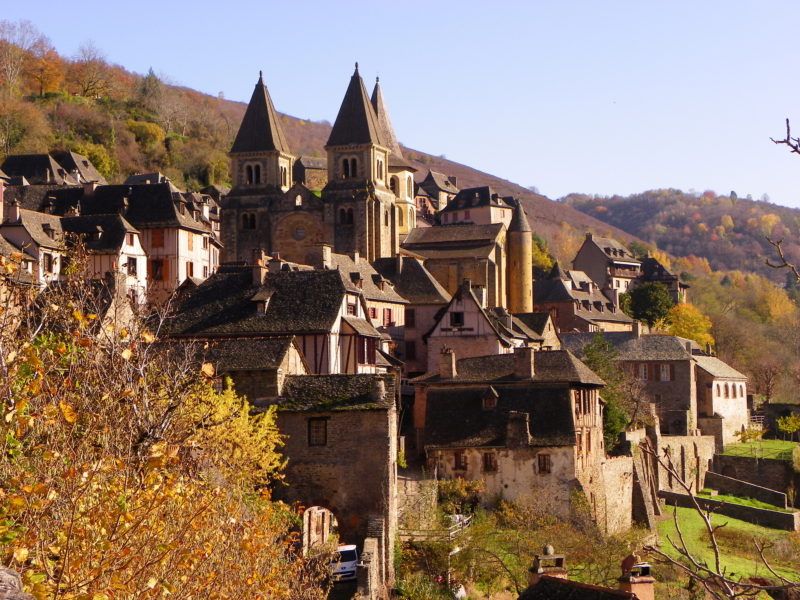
{"x": 716, "y": 368}
{"x": 414, "y": 282}
{"x": 261, "y": 129}
{"x": 356, "y": 122}
{"x": 331, "y": 393}
{"x": 102, "y": 234}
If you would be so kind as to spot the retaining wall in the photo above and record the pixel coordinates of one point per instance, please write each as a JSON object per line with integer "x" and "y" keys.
{"x": 766, "y": 472}
{"x": 757, "y": 516}
{"x": 737, "y": 487}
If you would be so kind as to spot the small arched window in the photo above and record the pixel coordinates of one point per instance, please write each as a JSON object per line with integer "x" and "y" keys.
{"x": 353, "y": 167}
{"x": 410, "y": 217}
{"x": 349, "y": 216}
{"x": 346, "y": 168}
{"x": 727, "y": 391}
{"x": 256, "y": 174}
{"x": 393, "y": 185}
{"x": 400, "y": 217}
{"x": 719, "y": 390}
{"x": 298, "y": 200}
{"x": 409, "y": 187}
{"x": 248, "y": 175}
{"x": 386, "y": 218}
{"x": 342, "y": 216}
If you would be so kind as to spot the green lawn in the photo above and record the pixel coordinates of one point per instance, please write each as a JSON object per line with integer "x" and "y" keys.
{"x": 742, "y": 501}
{"x": 739, "y": 556}
{"x": 774, "y": 449}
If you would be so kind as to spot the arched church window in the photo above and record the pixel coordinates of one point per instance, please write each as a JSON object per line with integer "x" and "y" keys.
{"x": 349, "y": 216}
{"x": 284, "y": 176}
{"x": 298, "y": 200}
{"x": 386, "y": 218}
{"x": 256, "y": 174}
{"x": 410, "y": 217}
{"x": 400, "y": 217}
{"x": 409, "y": 187}
{"x": 342, "y": 216}
{"x": 353, "y": 167}
{"x": 346, "y": 168}
{"x": 727, "y": 391}
{"x": 248, "y": 175}
{"x": 393, "y": 185}
{"x": 380, "y": 169}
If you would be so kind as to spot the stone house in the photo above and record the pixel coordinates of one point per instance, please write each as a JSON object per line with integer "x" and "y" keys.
{"x": 653, "y": 271}
{"x": 425, "y": 298}
{"x": 577, "y": 304}
{"x": 440, "y": 188}
{"x": 480, "y": 206}
{"x": 687, "y": 386}
{"x": 327, "y": 316}
{"x": 469, "y": 328}
{"x": 40, "y": 239}
{"x": 609, "y": 264}
{"x": 528, "y": 424}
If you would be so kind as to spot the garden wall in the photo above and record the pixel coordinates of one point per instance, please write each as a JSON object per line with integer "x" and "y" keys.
{"x": 757, "y": 516}
{"x": 737, "y": 487}
{"x": 766, "y": 472}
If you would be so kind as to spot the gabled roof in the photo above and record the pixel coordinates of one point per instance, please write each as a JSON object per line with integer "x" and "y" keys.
{"x": 440, "y": 182}
{"x": 458, "y": 236}
{"x": 251, "y": 354}
{"x": 37, "y": 225}
{"x": 612, "y": 248}
{"x": 413, "y": 281}
{"x": 353, "y": 271}
{"x": 716, "y": 368}
{"x": 576, "y": 287}
{"x": 297, "y": 302}
{"x": 478, "y": 197}
{"x": 312, "y": 162}
{"x": 535, "y": 321}
{"x": 356, "y": 122}
{"x": 631, "y": 347}
{"x": 261, "y": 129}
{"x": 333, "y": 393}
{"x": 111, "y": 230}
{"x": 72, "y": 161}
{"x": 37, "y": 169}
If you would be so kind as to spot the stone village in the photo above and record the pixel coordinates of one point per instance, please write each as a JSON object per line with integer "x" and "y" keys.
{"x": 392, "y": 318}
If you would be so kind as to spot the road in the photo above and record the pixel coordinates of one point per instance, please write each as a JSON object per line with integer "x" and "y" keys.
{"x": 344, "y": 590}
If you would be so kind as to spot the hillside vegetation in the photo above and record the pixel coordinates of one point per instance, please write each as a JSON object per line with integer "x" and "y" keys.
{"x": 731, "y": 232}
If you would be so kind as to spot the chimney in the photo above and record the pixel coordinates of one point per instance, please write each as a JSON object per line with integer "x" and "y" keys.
{"x": 321, "y": 256}
{"x": 708, "y": 344}
{"x": 13, "y": 213}
{"x": 447, "y": 364}
{"x": 549, "y": 563}
{"x": 589, "y": 235}
{"x": 259, "y": 267}
{"x": 636, "y": 578}
{"x": 518, "y": 433}
{"x": 275, "y": 263}
{"x": 637, "y": 329}
{"x": 524, "y": 358}
{"x": 480, "y": 294}
{"x": 356, "y": 256}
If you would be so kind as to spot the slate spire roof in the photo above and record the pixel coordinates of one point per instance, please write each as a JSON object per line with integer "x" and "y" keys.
{"x": 519, "y": 222}
{"x": 387, "y": 131}
{"x": 261, "y": 129}
{"x": 356, "y": 122}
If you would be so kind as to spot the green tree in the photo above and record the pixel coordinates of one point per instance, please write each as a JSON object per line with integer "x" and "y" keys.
{"x": 649, "y": 302}
{"x": 789, "y": 425}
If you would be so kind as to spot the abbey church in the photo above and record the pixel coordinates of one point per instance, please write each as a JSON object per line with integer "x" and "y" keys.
{"x": 367, "y": 208}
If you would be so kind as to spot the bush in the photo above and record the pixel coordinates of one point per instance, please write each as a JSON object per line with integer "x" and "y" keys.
{"x": 460, "y": 496}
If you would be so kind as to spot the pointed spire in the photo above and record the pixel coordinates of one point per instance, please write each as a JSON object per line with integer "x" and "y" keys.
{"x": 519, "y": 222}
{"x": 387, "y": 131}
{"x": 261, "y": 129}
{"x": 356, "y": 122}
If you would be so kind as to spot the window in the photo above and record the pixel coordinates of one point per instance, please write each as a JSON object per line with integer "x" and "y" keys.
{"x": 366, "y": 350}
{"x": 298, "y": 201}
{"x": 256, "y": 173}
{"x": 190, "y": 241}
{"x": 665, "y": 373}
{"x": 410, "y": 317}
{"x": 489, "y": 461}
{"x": 248, "y": 174}
{"x": 372, "y": 312}
{"x": 346, "y": 168}
{"x": 318, "y": 432}
{"x": 409, "y": 187}
{"x": 489, "y": 402}
{"x": 156, "y": 270}
{"x": 588, "y": 442}
{"x": 205, "y": 272}
{"x": 351, "y": 308}
{"x": 157, "y": 238}
{"x": 643, "y": 371}
{"x": 400, "y": 218}
{"x": 459, "y": 460}
{"x": 456, "y": 319}
{"x": 129, "y": 239}
{"x": 393, "y": 185}
{"x": 543, "y": 461}
{"x": 349, "y": 216}
{"x": 353, "y": 167}
{"x": 49, "y": 263}
{"x": 248, "y": 221}
{"x": 380, "y": 169}
{"x": 205, "y": 242}
{"x": 387, "y": 317}
{"x": 579, "y": 437}
{"x": 299, "y": 232}
{"x": 386, "y": 218}
{"x": 132, "y": 265}
{"x": 190, "y": 269}
{"x": 411, "y": 350}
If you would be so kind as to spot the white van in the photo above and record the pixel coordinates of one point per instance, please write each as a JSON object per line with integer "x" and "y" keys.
{"x": 343, "y": 563}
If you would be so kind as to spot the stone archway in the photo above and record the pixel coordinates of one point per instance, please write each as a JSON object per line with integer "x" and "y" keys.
{"x": 320, "y": 527}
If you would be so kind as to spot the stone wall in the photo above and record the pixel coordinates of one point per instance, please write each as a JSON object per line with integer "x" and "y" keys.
{"x": 617, "y": 478}
{"x": 758, "y": 516}
{"x": 692, "y": 456}
{"x": 737, "y": 487}
{"x": 773, "y": 474}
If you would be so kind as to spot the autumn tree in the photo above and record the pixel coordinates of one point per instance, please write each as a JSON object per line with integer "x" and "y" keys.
{"x": 17, "y": 40}
{"x": 127, "y": 473}
{"x": 687, "y": 321}
{"x": 88, "y": 74}
{"x": 45, "y": 67}
{"x": 23, "y": 128}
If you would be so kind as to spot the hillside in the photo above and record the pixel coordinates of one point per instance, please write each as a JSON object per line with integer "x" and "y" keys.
{"x": 729, "y": 231}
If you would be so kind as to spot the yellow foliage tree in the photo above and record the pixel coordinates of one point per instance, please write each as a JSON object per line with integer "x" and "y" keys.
{"x": 685, "y": 320}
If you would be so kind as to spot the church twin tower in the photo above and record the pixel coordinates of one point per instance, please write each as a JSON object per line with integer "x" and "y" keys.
{"x": 367, "y": 205}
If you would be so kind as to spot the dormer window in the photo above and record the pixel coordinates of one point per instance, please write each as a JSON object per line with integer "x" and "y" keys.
{"x": 489, "y": 402}
{"x": 298, "y": 200}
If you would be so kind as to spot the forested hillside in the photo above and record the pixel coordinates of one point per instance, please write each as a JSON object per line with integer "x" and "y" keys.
{"x": 731, "y": 232}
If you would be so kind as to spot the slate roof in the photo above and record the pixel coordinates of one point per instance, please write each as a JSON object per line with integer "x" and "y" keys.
{"x": 439, "y": 182}
{"x": 251, "y": 354}
{"x": 261, "y": 129}
{"x": 36, "y": 224}
{"x": 550, "y": 366}
{"x": 72, "y": 161}
{"x": 716, "y": 368}
{"x": 299, "y": 302}
{"x": 112, "y": 230}
{"x": 614, "y": 249}
{"x": 370, "y": 279}
{"x": 478, "y": 197}
{"x": 150, "y": 179}
{"x": 35, "y": 168}
{"x": 553, "y": 588}
{"x": 455, "y": 416}
{"x": 385, "y": 123}
{"x": 313, "y": 162}
{"x": 39, "y": 197}
{"x": 456, "y": 236}
{"x": 519, "y": 221}
{"x": 356, "y": 122}
{"x": 331, "y": 393}
{"x": 414, "y": 282}
{"x": 535, "y": 321}
{"x": 631, "y": 347}
{"x": 361, "y": 326}
{"x": 576, "y": 287}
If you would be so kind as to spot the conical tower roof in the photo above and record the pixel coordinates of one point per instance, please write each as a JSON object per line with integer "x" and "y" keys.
{"x": 387, "y": 131}
{"x": 519, "y": 222}
{"x": 356, "y": 122}
{"x": 261, "y": 129}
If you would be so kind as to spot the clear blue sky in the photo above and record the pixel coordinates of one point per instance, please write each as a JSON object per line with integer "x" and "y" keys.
{"x": 570, "y": 96}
